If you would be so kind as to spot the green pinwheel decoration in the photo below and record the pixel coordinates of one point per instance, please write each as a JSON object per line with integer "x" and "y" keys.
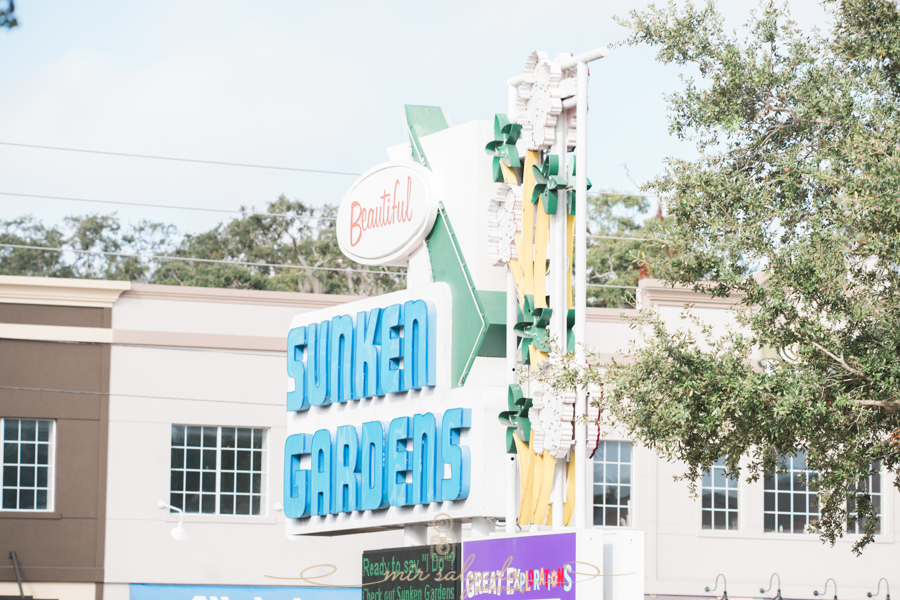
{"x": 503, "y": 147}
{"x": 570, "y": 194}
{"x": 516, "y": 418}
{"x": 532, "y": 328}
{"x": 548, "y": 183}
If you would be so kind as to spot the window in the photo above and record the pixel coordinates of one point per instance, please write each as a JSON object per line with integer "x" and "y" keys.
{"x": 790, "y": 502}
{"x": 27, "y": 464}
{"x": 612, "y": 484}
{"x": 872, "y": 485}
{"x": 720, "y": 498}
{"x": 217, "y": 470}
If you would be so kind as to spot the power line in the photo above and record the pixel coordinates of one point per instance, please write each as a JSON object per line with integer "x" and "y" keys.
{"x": 604, "y": 285}
{"x": 202, "y": 260}
{"x": 190, "y": 160}
{"x": 28, "y": 389}
{"x": 615, "y": 237}
{"x": 218, "y": 210}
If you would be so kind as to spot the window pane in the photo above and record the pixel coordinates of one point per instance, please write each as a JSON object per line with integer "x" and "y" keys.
{"x": 799, "y": 523}
{"x": 612, "y": 495}
{"x": 208, "y": 504}
{"x": 732, "y": 519}
{"x": 625, "y": 452}
{"x": 800, "y": 503}
{"x": 226, "y": 504}
{"x": 176, "y": 500}
{"x": 257, "y": 461}
{"x": 706, "y": 481}
{"x": 598, "y": 511}
{"x": 784, "y": 523}
{"x": 707, "y": 519}
{"x": 43, "y": 457}
{"x": 599, "y": 454}
{"x": 26, "y": 499}
{"x": 28, "y": 430}
{"x": 209, "y": 482}
{"x": 228, "y": 437}
{"x": 242, "y": 505}
{"x": 44, "y": 431}
{"x": 243, "y": 482}
{"x": 769, "y": 522}
{"x": 178, "y": 435}
{"x": 9, "y": 498}
{"x": 719, "y": 520}
{"x": 719, "y": 477}
{"x": 27, "y": 454}
{"x": 227, "y": 482}
{"x": 41, "y": 500}
{"x": 769, "y": 482}
{"x": 624, "y": 495}
{"x": 192, "y": 503}
{"x": 244, "y": 439}
{"x": 177, "y": 458}
{"x": 255, "y": 506}
{"x": 11, "y": 430}
{"x": 612, "y": 517}
{"x": 718, "y": 499}
{"x": 598, "y": 468}
{"x": 769, "y": 501}
{"x": 26, "y": 476}
{"x": 612, "y": 452}
{"x": 192, "y": 481}
{"x": 10, "y": 476}
{"x": 193, "y": 459}
{"x": 243, "y": 460}
{"x": 10, "y": 453}
{"x": 784, "y": 502}
{"x": 784, "y": 481}
{"x": 707, "y": 498}
{"x": 193, "y": 436}
{"x": 209, "y": 437}
{"x": 177, "y": 481}
{"x": 257, "y": 478}
{"x": 209, "y": 459}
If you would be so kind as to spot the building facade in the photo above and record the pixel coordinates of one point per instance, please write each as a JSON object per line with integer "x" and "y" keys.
{"x": 127, "y": 396}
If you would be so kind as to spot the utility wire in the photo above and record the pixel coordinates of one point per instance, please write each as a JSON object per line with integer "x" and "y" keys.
{"x": 28, "y": 389}
{"x": 615, "y": 237}
{"x": 190, "y": 160}
{"x": 202, "y": 260}
{"x": 218, "y": 210}
{"x": 604, "y": 285}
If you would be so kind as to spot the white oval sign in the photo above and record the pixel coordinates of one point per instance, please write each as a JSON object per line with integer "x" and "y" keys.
{"x": 387, "y": 213}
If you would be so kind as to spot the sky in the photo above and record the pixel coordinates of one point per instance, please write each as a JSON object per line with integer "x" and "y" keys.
{"x": 315, "y": 85}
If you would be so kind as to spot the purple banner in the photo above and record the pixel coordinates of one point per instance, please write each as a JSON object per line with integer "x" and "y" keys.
{"x": 536, "y": 567}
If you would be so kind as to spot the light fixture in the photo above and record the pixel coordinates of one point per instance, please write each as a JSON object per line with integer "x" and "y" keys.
{"x": 816, "y": 593}
{"x": 887, "y": 588}
{"x": 778, "y": 594}
{"x": 179, "y": 532}
{"x": 724, "y": 586}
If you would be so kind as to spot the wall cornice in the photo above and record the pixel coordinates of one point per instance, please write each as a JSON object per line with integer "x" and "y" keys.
{"x": 258, "y": 297}
{"x": 57, "y": 291}
{"x": 655, "y": 291}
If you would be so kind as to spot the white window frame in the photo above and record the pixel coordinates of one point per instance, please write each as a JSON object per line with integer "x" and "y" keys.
{"x": 51, "y": 465}
{"x": 796, "y": 488}
{"x": 629, "y": 506}
{"x": 219, "y": 471}
{"x": 713, "y": 488}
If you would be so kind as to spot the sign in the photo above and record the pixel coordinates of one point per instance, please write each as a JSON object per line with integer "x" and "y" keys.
{"x": 377, "y": 437}
{"x": 387, "y": 213}
{"x": 413, "y": 573}
{"x": 533, "y": 567}
{"x": 142, "y": 591}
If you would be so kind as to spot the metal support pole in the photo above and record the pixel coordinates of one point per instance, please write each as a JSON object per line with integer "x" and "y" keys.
{"x": 580, "y": 289}
{"x": 512, "y": 304}
{"x": 15, "y": 560}
{"x": 558, "y": 269}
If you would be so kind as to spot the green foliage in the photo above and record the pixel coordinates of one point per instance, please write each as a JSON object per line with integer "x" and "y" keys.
{"x": 799, "y": 140}
{"x": 308, "y": 239}
{"x": 622, "y": 216}
{"x": 8, "y": 16}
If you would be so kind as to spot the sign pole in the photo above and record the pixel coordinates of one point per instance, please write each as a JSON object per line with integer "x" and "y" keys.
{"x": 512, "y": 306}
{"x": 581, "y": 473}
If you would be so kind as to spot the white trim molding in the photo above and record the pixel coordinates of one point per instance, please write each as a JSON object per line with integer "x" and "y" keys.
{"x": 656, "y": 291}
{"x": 57, "y": 291}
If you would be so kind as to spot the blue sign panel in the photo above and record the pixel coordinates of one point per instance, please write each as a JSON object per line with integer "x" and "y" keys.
{"x": 141, "y": 591}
